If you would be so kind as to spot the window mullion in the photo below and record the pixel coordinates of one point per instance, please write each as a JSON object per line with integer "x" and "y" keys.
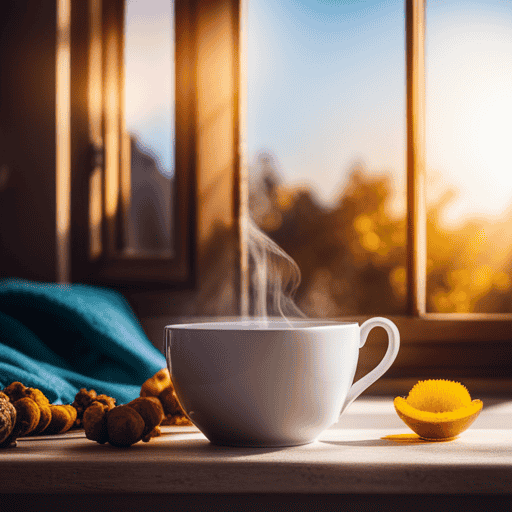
{"x": 243, "y": 161}
{"x": 416, "y": 203}
{"x": 63, "y": 140}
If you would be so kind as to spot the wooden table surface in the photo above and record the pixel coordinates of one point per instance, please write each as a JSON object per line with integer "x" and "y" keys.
{"x": 351, "y": 458}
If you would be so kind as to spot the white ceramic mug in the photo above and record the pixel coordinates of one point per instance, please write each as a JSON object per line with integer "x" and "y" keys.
{"x": 273, "y": 383}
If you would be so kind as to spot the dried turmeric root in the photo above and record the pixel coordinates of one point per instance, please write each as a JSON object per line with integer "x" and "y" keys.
{"x": 16, "y": 391}
{"x": 85, "y": 399}
{"x": 27, "y": 415}
{"x": 160, "y": 386}
{"x": 156, "y": 384}
{"x": 63, "y": 418}
{"x": 95, "y": 422}
{"x": 44, "y": 408}
{"x": 124, "y": 425}
{"x": 7, "y": 422}
{"x": 151, "y": 411}
{"x": 35, "y": 414}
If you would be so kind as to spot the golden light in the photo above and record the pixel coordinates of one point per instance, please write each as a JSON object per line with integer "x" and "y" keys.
{"x": 501, "y": 281}
{"x": 95, "y": 213}
{"x": 370, "y": 241}
{"x": 95, "y": 101}
{"x": 285, "y": 198}
{"x": 63, "y": 139}
{"x": 363, "y": 223}
{"x": 95, "y": 79}
{"x": 482, "y": 279}
{"x": 398, "y": 280}
{"x": 469, "y": 106}
{"x": 111, "y": 120}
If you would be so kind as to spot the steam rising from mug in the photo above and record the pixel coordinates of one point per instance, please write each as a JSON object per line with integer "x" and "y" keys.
{"x": 274, "y": 276}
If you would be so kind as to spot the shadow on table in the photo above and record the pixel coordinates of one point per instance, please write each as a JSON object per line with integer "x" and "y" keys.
{"x": 256, "y": 502}
{"x": 185, "y": 443}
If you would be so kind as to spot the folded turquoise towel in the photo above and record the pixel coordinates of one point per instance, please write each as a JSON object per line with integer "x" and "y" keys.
{"x": 60, "y": 338}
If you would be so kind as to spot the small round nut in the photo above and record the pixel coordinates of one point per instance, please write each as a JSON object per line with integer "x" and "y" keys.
{"x": 7, "y": 421}
{"x": 124, "y": 425}
{"x": 95, "y": 422}
{"x": 151, "y": 411}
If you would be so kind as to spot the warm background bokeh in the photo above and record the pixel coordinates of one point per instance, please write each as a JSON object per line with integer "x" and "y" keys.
{"x": 352, "y": 256}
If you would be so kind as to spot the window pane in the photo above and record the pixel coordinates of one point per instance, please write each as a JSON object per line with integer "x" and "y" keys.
{"x": 149, "y": 119}
{"x": 469, "y": 174}
{"x": 326, "y": 143}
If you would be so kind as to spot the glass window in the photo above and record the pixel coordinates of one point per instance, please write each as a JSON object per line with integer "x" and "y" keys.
{"x": 326, "y": 147}
{"x": 149, "y": 124}
{"x": 469, "y": 177}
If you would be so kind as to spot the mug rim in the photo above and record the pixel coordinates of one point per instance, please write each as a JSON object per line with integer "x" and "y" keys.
{"x": 274, "y": 324}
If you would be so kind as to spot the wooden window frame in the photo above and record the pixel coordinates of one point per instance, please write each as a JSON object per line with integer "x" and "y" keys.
{"x": 475, "y": 348}
{"x": 103, "y": 149}
{"x": 455, "y": 346}
{"x": 416, "y": 189}
{"x": 472, "y": 347}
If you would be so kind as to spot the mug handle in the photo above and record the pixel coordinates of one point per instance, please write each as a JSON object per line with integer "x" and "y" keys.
{"x": 390, "y": 355}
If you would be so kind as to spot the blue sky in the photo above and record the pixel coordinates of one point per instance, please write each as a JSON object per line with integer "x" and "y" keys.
{"x": 149, "y": 63}
{"x": 326, "y": 87}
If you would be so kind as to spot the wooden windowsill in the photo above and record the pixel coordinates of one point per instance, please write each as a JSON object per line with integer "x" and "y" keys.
{"x": 351, "y": 458}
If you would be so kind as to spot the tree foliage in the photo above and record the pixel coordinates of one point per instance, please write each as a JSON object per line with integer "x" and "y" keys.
{"x": 352, "y": 256}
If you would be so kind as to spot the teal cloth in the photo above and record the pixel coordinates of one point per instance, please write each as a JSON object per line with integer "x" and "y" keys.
{"x": 61, "y": 338}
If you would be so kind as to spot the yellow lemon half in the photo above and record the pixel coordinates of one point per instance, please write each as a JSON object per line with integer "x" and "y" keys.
{"x": 438, "y": 409}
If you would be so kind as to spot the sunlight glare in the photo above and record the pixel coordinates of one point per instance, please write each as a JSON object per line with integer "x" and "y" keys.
{"x": 469, "y": 107}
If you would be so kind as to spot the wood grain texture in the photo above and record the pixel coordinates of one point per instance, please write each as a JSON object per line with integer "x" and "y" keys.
{"x": 349, "y": 458}
{"x": 416, "y": 192}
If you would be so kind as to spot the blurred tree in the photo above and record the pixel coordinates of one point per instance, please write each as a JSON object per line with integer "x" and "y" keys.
{"x": 353, "y": 256}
